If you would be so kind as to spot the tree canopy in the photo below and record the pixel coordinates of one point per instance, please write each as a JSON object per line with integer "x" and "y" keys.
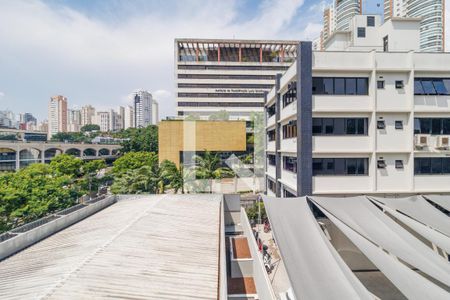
{"x": 139, "y": 139}
{"x": 40, "y": 189}
{"x": 90, "y": 127}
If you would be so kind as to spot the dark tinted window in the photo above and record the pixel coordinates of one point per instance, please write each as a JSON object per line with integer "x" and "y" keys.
{"x": 436, "y": 126}
{"x": 350, "y": 86}
{"x": 361, "y": 32}
{"x": 431, "y": 165}
{"x": 340, "y": 86}
{"x": 340, "y": 126}
{"x": 340, "y": 166}
{"x": 418, "y": 89}
{"x": 432, "y": 126}
{"x": 370, "y": 21}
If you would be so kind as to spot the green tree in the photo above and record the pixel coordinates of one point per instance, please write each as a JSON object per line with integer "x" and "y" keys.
{"x": 90, "y": 127}
{"x": 66, "y": 164}
{"x": 70, "y": 137}
{"x": 253, "y": 212}
{"x": 208, "y": 166}
{"x": 139, "y": 139}
{"x": 176, "y": 177}
{"x": 134, "y": 160}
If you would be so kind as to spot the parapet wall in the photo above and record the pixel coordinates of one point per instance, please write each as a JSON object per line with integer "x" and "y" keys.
{"x": 25, "y": 236}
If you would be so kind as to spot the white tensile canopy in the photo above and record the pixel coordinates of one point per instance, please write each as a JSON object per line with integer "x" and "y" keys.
{"x": 441, "y": 200}
{"x": 316, "y": 270}
{"x": 314, "y": 267}
{"x": 418, "y": 208}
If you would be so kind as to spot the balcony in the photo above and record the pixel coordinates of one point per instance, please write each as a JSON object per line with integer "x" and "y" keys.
{"x": 288, "y": 111}
{"x": 271, "y": 121}
{"x": 271, "y": 146}
{"x": 289, "y": 178}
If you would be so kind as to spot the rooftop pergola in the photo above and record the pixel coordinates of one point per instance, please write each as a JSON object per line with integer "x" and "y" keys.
{"x": 236, "y": 50}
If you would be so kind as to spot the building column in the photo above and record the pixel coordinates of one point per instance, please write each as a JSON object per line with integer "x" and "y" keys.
{"x": 260, "y": 53}
{"x": 17, "y": 158}
{"x": 218, "y": 52}
{"x": 278, "y": 161}
{"x": 240, "y": 53}
{"x": 304, "y": 119}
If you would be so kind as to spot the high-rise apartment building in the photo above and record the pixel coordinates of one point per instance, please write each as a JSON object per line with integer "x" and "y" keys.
{"x": 57, "y": 115}
{"x": 432, "y": 26}
{"x": 364, "y": 118}
{"x": 231, "y": 75}
{"x": 155, "y": 112}
{"x": 129, "y": 117}
{"x": 344, "y": 11}
{"x": 143, "y": 105}
{"x": 103, "y": 119}
{"x": 7, "y": 119}
{"x": 87, "y": 115}
{"x": 73, "y": 120}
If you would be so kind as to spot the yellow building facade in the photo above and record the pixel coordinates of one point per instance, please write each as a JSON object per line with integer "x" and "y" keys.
{"x": 177, "y": 136}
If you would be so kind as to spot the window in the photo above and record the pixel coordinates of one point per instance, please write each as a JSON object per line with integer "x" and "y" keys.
{"x": 399, "y": 164}
{"x": 271, "y": 110}
{"x": 398, "y": 124}
{"x": 340, "y": 166}
{"x": 381, "y": 164}
{"x": 340, "y": 86}
{"x": 386, "y": 44}
{"x": 361, "y": 32}
{"x": 370, "y": 21}
{"x": 271, "y": 159}
{"x": 381, "y": 124}
{"x": 288, "y": 194}
{"x": 290, "y": 163}
{"x": 432, "y": 86}
{"x": 436, "y": 126}
{"x": 380, "y": 84}
{"x": 399, "y": 84}
{"x": 271, "y": 185}
{"x": 290, "y": 130}
{"x": 291, "y": 95}
{"x": 432, "y": 165}
{"x": 271, "y": 135}
{"x": 340, "y": 126}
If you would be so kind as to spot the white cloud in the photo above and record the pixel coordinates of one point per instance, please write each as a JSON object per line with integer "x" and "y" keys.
{"x": 55, "y": 49}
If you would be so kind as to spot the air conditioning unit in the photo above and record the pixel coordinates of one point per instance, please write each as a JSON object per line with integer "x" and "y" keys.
{"x": 421, "y": 141}
{"x": 443, "y": 142}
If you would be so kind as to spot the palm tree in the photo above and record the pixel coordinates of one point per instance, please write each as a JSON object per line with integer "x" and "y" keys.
{"x": 176, "y": 178}
{"x": 208, "y": 167}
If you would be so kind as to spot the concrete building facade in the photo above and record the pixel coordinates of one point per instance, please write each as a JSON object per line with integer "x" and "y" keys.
{"x": 87, "y": 115}
{"x": 57, "y": 115}
{"x": 432, "y": 14}
{"x": 360, "y": 120}
{"x": 231, "y": 75}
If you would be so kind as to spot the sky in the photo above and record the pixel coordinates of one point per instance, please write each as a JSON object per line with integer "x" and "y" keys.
{"x": 98, "y": 52}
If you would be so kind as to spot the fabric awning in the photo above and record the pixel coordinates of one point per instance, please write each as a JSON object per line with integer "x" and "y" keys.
{"x": 441, "y": 200}
{"x": 410, "y": 283}
{"x": 418, "y": 208}
{"x": 360, "y": 214}
{"x": 315, "y": 269}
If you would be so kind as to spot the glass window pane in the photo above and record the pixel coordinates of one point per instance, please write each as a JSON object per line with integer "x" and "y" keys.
{"x": 416, "y": 125}
{"x": 318, "y": 87}
{"x": 339, "y": 166}
{"x": 328, "y": 165}
{"x": 317, "y": 126}
{"x": 339, "y": 126}
{"x": 446, "y": 84}
{"x": 362, "y": 166}
{"x": 328, "y": 86}
{"x": 361, "y": 126}
{"x": 339, "y": 86}
{"x": 418, "y": 89}
{"x": 317, "y": 167}
{"x": 425, "y": 167}
{"x": 328, "y": 124}
{"x": 350, "y": 86}
{"x": 362, "y": 86}
{"x": 425, "y": 126}
{"x": 417, "y": 165}
{"x": 436, "y": 126}
{"x": 446, "y": 126}
{"x": 440, "y": 87}
{"x": 436, "y": 166}
{"x": 351, "y": 164}
{"x": 446, "y": 165}
{"x": 428, "y": 87}
{"x": 350, "y": 126}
